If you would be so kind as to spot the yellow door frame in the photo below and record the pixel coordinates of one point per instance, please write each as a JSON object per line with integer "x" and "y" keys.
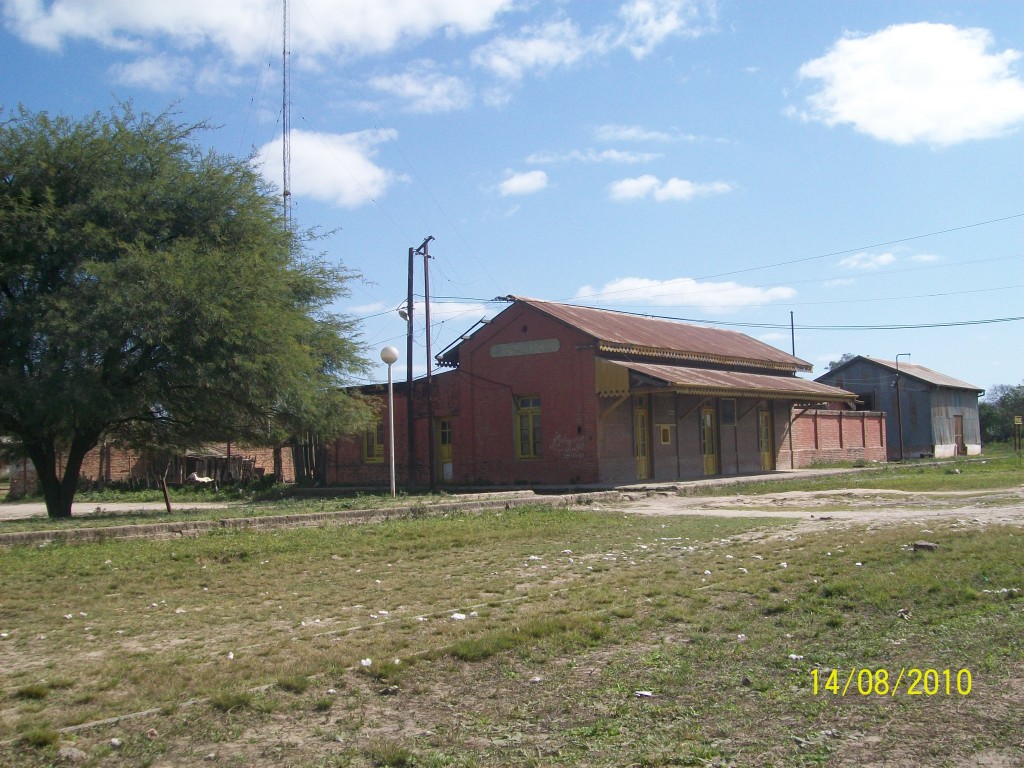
{"x": 642, "y": 437}
{"x": 766, "y": 440}
{"x": 709, "y": 439}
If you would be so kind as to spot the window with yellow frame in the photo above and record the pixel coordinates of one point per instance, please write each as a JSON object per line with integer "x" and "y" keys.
{"x": 528, "y": 436}
{"x": 373, "y": 443}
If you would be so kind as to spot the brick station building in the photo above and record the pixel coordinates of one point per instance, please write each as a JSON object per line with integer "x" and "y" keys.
{"x": 556, "y": 394}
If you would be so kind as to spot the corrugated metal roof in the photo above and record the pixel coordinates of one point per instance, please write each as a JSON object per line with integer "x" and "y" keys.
{"x": 730, "y": 384}
{"x": 922, "y": 373}
{"x": 618, "y": 332}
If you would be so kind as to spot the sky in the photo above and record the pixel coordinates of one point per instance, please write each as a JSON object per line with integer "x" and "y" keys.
{"x": 840, "y": 178}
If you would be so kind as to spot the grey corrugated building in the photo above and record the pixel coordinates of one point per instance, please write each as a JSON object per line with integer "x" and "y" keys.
{"x": 927, "y": 413}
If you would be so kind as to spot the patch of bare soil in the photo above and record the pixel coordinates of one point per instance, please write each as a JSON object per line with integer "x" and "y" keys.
{"x": 814, "y": 510}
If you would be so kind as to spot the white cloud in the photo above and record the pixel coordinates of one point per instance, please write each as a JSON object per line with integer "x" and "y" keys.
{"x": 867, "y": 261}
{"x": 838, "y": 282}
{"x": 929, "y": 83}
{"x": 648, "y": 23}
{"x": 425, "y": 89}
{"x": 556, "y": 44}
{"x": 592, "y": 156}
{"x": 664, "y": 191}
{"x": 523, "y": 183}
{"x": 333, "y": 168}
{"x": 157, "y": 73}
{"x": 240, "y": 26}
{"x": 684, "y": 292}
{"x": 926, "y": 258}
{"x": 613, "y": 132}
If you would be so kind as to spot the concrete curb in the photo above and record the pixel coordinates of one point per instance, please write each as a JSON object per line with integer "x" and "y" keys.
{"x": 282, "y": 522}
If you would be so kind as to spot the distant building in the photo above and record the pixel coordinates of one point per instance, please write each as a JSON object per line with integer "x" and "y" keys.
{"x": 557, "y": 394}
{"x": 927, "y": 413}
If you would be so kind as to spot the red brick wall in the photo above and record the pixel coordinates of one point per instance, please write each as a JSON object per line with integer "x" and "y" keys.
{"x": 111, "y": 464}
{"x": 564, "y": 381}
{"x": 833, "y": 436}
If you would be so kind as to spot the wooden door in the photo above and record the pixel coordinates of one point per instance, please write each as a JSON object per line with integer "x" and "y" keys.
{"x": 709, "y": 440}
{"x": 958, "y": 435}
{"x": 445, "y": 467}
{"x": 642, "y": 438}
{"x": 766, "y": 440}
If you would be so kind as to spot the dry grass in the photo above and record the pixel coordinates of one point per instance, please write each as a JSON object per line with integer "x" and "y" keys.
{"x": 250, "y": 647}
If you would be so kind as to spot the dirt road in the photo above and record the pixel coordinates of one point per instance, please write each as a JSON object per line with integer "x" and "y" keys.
{"x": 842, "y": 508}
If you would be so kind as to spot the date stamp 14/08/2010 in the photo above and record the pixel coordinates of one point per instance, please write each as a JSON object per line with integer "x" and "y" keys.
{"x": 909, "y": 681}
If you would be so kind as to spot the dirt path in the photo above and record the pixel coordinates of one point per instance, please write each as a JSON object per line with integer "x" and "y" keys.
{"x": 31, "y": 509}
{"x": 842, "y": 508}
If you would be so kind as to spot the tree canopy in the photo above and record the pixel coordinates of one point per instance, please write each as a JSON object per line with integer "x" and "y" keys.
{"x": 150, "y": 291}
{"x": 1001, "y": 404}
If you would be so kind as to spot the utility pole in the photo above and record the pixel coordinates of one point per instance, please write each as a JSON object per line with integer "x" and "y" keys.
{"x": 792, "y": 333}
{"x": 423, "y": 249}
{"x": 899, "y": 404}
{"x": 410, "y": 421}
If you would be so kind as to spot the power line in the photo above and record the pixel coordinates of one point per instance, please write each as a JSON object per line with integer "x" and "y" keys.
{"x": 883, "y": 327}
{"x": 838, "y": 253}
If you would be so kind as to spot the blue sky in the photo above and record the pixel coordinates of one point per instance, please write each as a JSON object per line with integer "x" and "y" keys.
{"x": 856, "y": 164}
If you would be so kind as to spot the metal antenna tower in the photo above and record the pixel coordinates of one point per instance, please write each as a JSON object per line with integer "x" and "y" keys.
{"x": 286, "y": 122}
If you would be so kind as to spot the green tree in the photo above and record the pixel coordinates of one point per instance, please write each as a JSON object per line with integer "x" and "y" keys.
{"x": 847, "y": 356}
{"x": 150, "y": 292}
{"x": 1002, "y": 402}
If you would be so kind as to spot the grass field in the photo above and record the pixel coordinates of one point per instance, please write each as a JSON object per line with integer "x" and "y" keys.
{"x": 534, "y": 636}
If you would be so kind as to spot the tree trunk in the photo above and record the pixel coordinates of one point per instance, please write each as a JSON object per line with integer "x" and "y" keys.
{"x": 58, "y": 487}
{"x": 278, "y": 464}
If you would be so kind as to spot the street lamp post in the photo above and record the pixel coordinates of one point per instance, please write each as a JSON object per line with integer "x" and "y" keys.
{"x": 390, "y": 356}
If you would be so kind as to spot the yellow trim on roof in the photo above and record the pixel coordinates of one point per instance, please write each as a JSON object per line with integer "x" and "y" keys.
{"x": 633, "y": 349}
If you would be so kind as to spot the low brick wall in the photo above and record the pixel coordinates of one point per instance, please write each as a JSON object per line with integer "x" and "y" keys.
{"x": 831, "y": 436}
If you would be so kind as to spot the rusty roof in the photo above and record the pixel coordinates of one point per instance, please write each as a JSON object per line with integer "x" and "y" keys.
{"x": 922, "y": 373}
{"x": 618, "y": 332}
{"x": 701, "y": 381}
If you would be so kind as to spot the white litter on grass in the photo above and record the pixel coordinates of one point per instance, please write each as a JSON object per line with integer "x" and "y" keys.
{"x": 744, "y": 570}
{"x": 741, "y": 638}
{"x": 858, "y": 564}
{"x": 331, "y": 692}
{"x": 382, "y": 613}
{"x": 68, "y": 616}
{"x": 566, "y": 551}
{"x": 643, "y": 694}
{"x": 533, "y": 557}
{"x": 783, "y": 565}
{"x": 179, "y": 610}
{"x": 795, "y": 656}
{"x": 366, "y": 663}
{"x": 707, "y": 573}
{"x": 458, "y": 617}
{"x": 231, "y": 655}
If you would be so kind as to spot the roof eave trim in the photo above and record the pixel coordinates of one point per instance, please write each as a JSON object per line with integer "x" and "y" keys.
{"x": 761, "y": 394}
{"x": 703, "y": 357}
